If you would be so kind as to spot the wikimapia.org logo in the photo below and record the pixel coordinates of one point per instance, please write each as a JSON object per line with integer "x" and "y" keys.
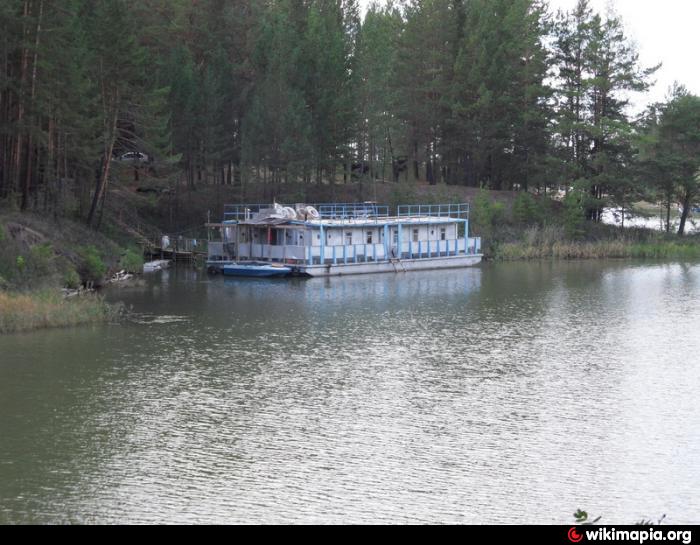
{"x": 634, "y": 536}
{"x": 574, "y": 536}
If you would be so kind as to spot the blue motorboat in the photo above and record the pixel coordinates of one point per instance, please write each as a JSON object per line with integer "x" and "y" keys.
{"x": 259, "y": 269}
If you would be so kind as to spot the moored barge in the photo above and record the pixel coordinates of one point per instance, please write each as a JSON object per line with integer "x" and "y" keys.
{"x": 338, "y": 239}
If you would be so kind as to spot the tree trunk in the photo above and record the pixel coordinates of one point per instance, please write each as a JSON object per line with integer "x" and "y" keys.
{"x": 684, "y": 214}
{"x": 102, "y": 180}
{"x": 416, "y": 173}
{"x": 17, "y": 151}
{"x": 28, "y": 175}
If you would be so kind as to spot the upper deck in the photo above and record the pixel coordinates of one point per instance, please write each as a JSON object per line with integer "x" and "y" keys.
{"x": 335, "y": 214}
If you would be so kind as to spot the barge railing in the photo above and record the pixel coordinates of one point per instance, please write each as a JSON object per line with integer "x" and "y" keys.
{"x": 354, "y": 211}
{"x": 338, "y": 211}
{"x": 459, "y": 211}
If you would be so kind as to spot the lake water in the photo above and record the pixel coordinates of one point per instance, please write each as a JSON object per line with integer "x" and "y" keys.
{"x": 506, "y": 393}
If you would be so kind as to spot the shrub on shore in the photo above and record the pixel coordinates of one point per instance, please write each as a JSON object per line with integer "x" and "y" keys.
{"x": 93, "y": 269}
{"x": 131, "y": 261}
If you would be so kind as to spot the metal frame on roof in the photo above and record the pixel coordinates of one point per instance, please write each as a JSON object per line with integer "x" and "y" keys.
{"x": 357, "y": 211}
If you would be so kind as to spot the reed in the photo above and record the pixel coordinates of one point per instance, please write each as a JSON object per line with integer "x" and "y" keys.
{"x": 47, "y": 309}
{"x": 551, "y": 242}
{"x": 666, "y": 250}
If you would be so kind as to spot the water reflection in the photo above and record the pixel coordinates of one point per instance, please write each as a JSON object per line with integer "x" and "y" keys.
{"x": 458, "y": 396}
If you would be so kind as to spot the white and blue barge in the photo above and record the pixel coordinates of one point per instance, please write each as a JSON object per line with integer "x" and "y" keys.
{"x": 340, "y": 239}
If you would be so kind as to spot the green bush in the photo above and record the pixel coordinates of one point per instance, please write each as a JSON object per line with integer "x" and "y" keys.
{"x": 485, "y": 213}
{"x": 93, "y": 269}
{"x": 527, "y": 210}
{"x": 71, "y": 279}
{"x": 403, "y": 193}
{"x": 131, "y": 261}
{"x": 21, "y": 263}
{"x": 40, "y": 259}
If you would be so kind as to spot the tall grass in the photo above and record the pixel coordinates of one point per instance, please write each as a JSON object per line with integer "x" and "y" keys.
{"x": 552, "y": 242}
{"x": 664, "y": 250}
{"x": 38, "y": 310}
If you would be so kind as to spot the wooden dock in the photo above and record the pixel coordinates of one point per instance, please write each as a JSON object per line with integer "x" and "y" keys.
{"x": 175, "y": 248}
{"x": 172, "y": 246}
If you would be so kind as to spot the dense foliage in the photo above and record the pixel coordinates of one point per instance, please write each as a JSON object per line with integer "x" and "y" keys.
{"x": 501, "y": 94}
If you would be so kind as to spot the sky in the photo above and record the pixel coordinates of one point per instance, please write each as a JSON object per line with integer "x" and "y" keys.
{"x": 666, "y": 31}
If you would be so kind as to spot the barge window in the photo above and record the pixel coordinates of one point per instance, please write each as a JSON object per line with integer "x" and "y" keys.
{"x": 348, "y": 238}
{"x": 369, "y": 237}
{"x": 415, "y": 235}
{"x": 443, "y": 233}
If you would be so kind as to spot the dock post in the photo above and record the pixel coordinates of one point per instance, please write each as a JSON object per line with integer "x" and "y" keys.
{"x": 323, "y": 245}
{"x": 400, "y": 240}
{"x": 466, "y": 236}
{"x": 386, "y": 241}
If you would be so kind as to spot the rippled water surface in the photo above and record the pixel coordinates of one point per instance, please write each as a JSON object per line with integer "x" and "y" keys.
{"x": 502, "y": 394}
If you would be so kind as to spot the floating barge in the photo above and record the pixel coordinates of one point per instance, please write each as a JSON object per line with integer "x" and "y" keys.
{"x": 339, "y": 239}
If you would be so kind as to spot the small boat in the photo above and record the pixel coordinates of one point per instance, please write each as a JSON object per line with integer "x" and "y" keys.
{"x": 158, "y": 265}
{"x": 260, "y": 269}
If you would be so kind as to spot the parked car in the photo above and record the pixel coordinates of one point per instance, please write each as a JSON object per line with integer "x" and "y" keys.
{"x": 134, "y": 157}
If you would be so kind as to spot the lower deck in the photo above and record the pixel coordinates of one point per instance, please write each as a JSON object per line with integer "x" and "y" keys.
{"x": 368, "y": 267}
{"x": 393, "y": 266}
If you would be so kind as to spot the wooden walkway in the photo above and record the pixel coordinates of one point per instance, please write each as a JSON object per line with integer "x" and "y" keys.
{"x": 175, "y": 248}
{"x": 163, "y": 245}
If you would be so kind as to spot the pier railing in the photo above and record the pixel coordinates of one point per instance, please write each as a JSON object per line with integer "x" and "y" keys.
{"x": 176, "y": 246}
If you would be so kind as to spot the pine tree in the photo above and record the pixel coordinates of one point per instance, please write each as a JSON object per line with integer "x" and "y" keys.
{"x": 378, "y": 131}
{"x": 598, "y": 68}
{"x": 499, "y": 98}
{"x": 676, "y": 146}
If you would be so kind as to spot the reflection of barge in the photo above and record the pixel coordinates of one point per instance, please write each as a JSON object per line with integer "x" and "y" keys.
{"x": 337, "y": 239}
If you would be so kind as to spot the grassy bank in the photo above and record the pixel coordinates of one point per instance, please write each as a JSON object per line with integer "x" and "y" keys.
{"x": 40, "y": 255}
{"x": 45, "y": 309}
{"x": 552, "y": 242}
{"x": 604, "y": 249}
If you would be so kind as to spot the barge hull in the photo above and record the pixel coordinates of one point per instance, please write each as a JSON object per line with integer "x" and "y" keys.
{"x": 403, "y": 265}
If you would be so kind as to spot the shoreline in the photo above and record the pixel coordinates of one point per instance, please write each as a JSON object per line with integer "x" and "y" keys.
{"x": 603, "y": 249}
{"x": 22, "y": 312}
